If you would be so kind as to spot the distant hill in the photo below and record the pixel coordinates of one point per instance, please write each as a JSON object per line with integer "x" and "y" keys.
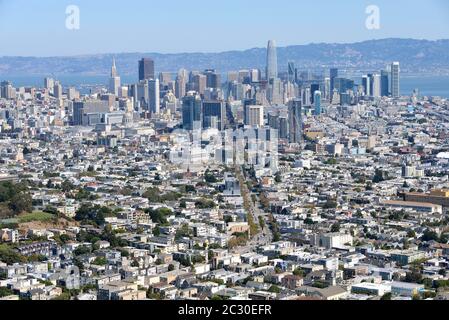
{"x": 416, "y": 56}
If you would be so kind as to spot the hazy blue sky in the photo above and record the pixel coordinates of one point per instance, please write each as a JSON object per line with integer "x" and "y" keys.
{"x": 37, "y": 27}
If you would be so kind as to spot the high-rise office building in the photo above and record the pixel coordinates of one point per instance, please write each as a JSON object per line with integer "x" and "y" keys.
{"x": 114, "y": 80}
{"x": 244, "y": 76}
{"x": 272, "y": 61}
{"x": 154, "y": 102}
{"x": 255, "y": 75}
{"x": 7, "y": 91}
{"x": 395, "y": 81}
{"x": 376, "y": 85}
{"x": 191, "y": 112}
{"x": 164, "y": 78}
{"x": 49, "y": 84}
{"x": 213, "y": 79}
{"x": 327, "y": 89}
{"x": 141, "y": 94}
{"x": 333, "y": 76}
{"x": 314, "y": 87}
{"x": 146, "y": 69}
{"x": 366, "y": 83}
{"x": 200, "y": 83}
{"x": 343, "y": 85}
{"x": 86, "y": 113}
{"x": 275, "y": 92}
{"x": 72, "y": 94}
{"x": 57, "y": 90}
{"x": 291, "y": 71}
{"x": 317, "y": 102}
{"x": 180, "y": 86}
{"x": 214, "y": 109}
{"x": 233, "y": 76}
{"x": 254, "y": 115}
{"x": 295, "y": 121}
{"x": 384, "y": 83}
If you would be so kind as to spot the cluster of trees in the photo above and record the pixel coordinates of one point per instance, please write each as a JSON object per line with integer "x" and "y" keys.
{"x": 380, "y": 176}
{"x": 264, "y": 202}
{"x": 14, "y": 198}
{"x": 94, "y": 214}
{"x": 274, "y": 226}
{"x": 154, "y": 196}
{"x": 4, "y": 292}
{"x": 209, "y": 177}
{"x": 398, "y": 215}
{"x": 160, "y": 215}
{"x": 430, "y": 235}
{"x": 10, "y": 256}
{"x": 253, "y": 227}
{"x": 205, "y": 204}
{"x": 239, "y": 240}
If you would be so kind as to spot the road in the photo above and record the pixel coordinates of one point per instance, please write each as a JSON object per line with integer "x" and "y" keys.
{"x": 264, "y": 236}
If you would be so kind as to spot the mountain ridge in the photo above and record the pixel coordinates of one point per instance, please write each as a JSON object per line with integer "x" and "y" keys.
{"x": 415, "y": 55}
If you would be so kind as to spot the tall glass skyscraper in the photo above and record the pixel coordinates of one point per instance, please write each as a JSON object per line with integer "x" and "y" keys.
{"x": 191, "y": 112}
{"x": 385, "y": 86}
{"x": 395, "y": 88}
{"x": 146, "y": 69}
{"x": 333, "y": 76}
{"x": 272, "y": 61}
{"x": 317, "y": 102}
{"x": 295, "y": 121}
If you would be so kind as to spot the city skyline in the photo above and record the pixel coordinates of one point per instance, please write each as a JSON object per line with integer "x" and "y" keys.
{"x": 136, "y": 33}
{"x": 289, "y": 173}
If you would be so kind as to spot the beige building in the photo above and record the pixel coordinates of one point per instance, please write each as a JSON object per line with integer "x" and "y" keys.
{"x": 438, "y": 196}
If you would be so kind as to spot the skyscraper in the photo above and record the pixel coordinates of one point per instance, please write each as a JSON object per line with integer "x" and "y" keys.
{"x": 191, "y": 112}
{"x": 214, "y": 109}
{"x": 254, "y": 115}
{"x": 272, "y": 61}
{"x": 154, "y": 96}
{"x": 255, "y": 75}
{"x": 376, "y": 85}
{"x": 180, "y": 86}
{"x": 317, "y": 102}
{"x": 291, "y": 71}
{"x": 384, "y": 83}
{"x": 146, "y": 69}
{"x": 333, "y": 76}
{"x": 213, "y": 79}
{"x": 395, "y": 86}
{"x": 49, "y": 84}
{"x": 57, "y": 90}
{"x": 200, "y": 83}
{"x": 366, "y": 83}
{"x": 314, "y": 87}
{"x": 114, "y": 80}
{"x": 141, "y": 94}
{"x": 7, "y": 91}
{"x": 275, "y": 91}
{"x": 164, "y": 78}
{"x": 295, "y": 121}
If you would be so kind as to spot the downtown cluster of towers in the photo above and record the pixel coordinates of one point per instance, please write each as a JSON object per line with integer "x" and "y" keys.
{"x": 206, "y": 101}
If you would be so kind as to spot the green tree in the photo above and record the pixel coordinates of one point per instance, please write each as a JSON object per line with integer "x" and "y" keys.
{"x": 386, "y": 296}
{"x": 4, "y": 292}
{"x": 10, "y": 256}
{"x": 335, "y": 227}
{"x": 21, "y": 202}
{"x": 100, "y": 261}
{"x": 274, "y": 289}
